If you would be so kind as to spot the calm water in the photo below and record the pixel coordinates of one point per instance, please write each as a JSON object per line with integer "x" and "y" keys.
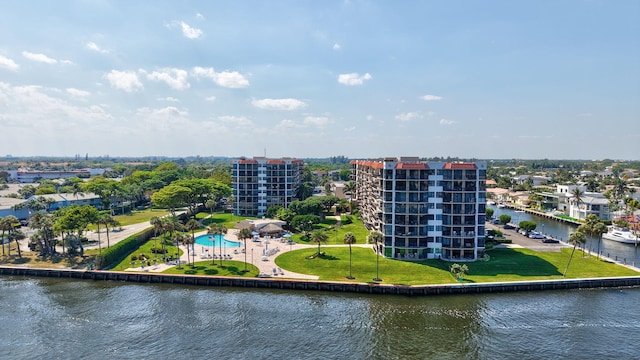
{"x": 561, "y": 230}
{"x": 64, "y": 319}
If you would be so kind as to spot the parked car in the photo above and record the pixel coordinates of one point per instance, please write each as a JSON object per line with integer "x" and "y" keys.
{"x": 536, "y": 235}
{"x": 509, "y": 227}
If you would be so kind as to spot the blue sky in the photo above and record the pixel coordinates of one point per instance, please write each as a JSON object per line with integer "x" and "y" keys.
{"x": 482, "y": 79}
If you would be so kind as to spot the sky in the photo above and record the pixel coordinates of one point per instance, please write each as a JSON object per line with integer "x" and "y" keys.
{"x": 311, "y": 79}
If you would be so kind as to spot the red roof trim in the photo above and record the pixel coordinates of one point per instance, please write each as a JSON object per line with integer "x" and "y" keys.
{"x": 460, "y": 166}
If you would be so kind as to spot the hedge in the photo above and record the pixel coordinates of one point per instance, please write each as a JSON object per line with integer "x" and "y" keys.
{"x": 122, "y": 249}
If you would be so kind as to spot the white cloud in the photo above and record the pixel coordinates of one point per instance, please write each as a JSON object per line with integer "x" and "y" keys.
{"x": 168, "y": 99}
{"x": 210, "y": 98}
{"x": 336, "y": 46}
{"x": 227, "y": 79}
{"x": 353, "y": 79}
{"x": 39, "y": 57}
{"x": 278, "y": 104}
{"x": 8, "y": 64}
{"x": 168, "y": 119}
{"x": 94, "y": 47}
{"x": 309, "y": 121}
{"x": 408, "y": 116}
{"x": 317, "y": 121}
{"x": 78, "y": 93}
{"x": 350, "y": 128}
{"x": 190, "y": 32}
{"x": 431, "y": 97}
{"x": 200, "y": 16}
{"x": 175, "y": 78}
{"x": 369, "y": 117}
{"x": 585, "y": 115}
{"x": 236, "y": 120}
{"x": 67, "y": 62}
{"x": 445, "y": 122}
{"x": 124, "y": 80}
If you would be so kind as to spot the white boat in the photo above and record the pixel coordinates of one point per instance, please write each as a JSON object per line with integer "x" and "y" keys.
{"x": 491, "y": 202}
{"x": 621, "y": 235}
{"x": 502, "y": 205}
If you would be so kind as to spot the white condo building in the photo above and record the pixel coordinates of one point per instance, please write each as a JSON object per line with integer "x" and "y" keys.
{"x": 260, "y": 182}
{"x": 425, "y": 210}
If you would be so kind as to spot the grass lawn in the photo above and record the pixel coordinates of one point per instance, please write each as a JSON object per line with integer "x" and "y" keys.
{"x": 504, "y": 265}
{"x": 146, "y": 249}
{"x": 229, "y": 268}
{"x": 227, "y": 219}
{"x": 335, "y": 234}
{"x": 135, "y": 217}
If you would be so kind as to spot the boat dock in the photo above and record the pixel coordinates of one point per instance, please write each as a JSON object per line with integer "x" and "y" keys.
{"x": 540, "y": 213}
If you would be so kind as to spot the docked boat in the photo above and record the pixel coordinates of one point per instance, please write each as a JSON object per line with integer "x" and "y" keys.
{"x": 502, "y": 205}
{"x": 621, "y": 235}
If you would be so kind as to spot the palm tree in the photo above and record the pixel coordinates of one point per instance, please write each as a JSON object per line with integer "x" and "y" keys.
{"x": 599, "y": 229}
{"x": 156, "y": 222}
{"x": 245, "y": 234}
{"x": 17, "y": 235}
{"x": 349, "y": 238}
{"x": 376, "y": 237}
{"x": 107, "y": 221}
{"x": 181, "y": 238}
{"x": 589, "y": 225}
{"x": 169, "y": 225}
{"x": 217, "y": 229}
{"x": 318, "y": 237}
{"x": 577, "y": 194}
{"x": 575, "y": 238}
{"x": 4, "y": 226}
{"x": 211, "y": 205}
{"x": 192, "y": 225}
{"x": 8, "y": 224}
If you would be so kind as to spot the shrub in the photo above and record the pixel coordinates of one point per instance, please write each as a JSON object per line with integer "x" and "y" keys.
{"x": 120, "y": 250}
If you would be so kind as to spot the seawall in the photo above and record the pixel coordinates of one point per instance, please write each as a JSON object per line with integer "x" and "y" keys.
{"x": 308, "y": 285}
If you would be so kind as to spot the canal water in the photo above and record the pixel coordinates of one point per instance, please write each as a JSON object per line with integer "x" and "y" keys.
{"x": 561, "y": 230}
{"x": 71, "y": 319}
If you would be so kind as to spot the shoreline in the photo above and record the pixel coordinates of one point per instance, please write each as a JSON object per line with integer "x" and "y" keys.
{"x": 332, "y": 286}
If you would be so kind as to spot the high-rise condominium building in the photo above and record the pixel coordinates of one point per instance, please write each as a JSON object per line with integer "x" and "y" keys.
{"x": 261, "y": 182}
{"x": 425, "y": 210}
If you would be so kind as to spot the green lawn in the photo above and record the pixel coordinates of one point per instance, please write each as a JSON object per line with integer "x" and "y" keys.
{"x": 227, "y": 219}
{"x": 229, "y": 268}
{"x": 504, "y": 265}
{"x": 135, "y": 217}
{"x": 146, "y": 249}
{"x": 335, "y": 234}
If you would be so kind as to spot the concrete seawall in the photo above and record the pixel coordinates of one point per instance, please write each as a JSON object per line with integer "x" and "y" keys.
{"x": 294, "y": 284}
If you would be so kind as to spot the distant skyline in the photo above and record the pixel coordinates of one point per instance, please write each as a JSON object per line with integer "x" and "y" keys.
{"x": 315, "y": 79}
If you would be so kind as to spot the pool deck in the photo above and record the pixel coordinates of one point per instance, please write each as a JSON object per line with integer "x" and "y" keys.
{"x": 265, "y": 264}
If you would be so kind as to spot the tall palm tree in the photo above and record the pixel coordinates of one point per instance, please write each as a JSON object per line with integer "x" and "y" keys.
{"x": 211, "y": 205}
{"x": 599, "y": 229}
{"x": 192, "y": 225}
{"x": 17, "y": 235}
{"x": 577, "y": 195}
{"x": 107, "y": 221}
{"x": 169, "y": 225}
{"x": 376, "y": 237}
{"x": 589, "y": 225}
{"x": 217, "y": 229}
{"x": 349, "y": 238}
{"x": 4, "y": 226}
{"x": 318, "y": 237}
{"x": 8, "y": 224}
{"x": 244, "y": 234}
{"x": 575, "y": 238}
{"x": 181, "y": 238}
{"x": 156, "y": 222}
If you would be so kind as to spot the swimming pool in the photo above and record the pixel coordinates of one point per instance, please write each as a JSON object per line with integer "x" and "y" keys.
{"x": 208, "y": 240}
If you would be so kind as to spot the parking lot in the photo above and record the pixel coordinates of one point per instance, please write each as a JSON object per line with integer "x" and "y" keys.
{"x": 519, "y": 240}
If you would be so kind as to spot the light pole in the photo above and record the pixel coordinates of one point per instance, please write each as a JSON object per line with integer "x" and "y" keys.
{"x": 377, "y": 278}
